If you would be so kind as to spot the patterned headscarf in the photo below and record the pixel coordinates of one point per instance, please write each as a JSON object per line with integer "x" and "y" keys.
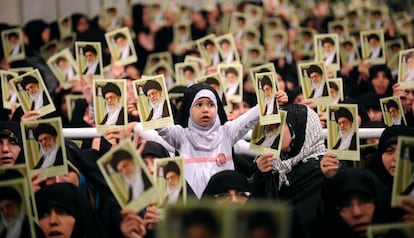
{"x": 307, "y": 140}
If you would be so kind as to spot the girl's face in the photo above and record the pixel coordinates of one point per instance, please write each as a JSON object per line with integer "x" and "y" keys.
{"x": 203, "y": 111}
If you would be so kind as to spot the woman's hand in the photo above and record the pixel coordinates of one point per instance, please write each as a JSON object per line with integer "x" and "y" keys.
{"x": 329, "y": 165}
{"x": 132, "y": 226}
{"x": 281, "y": 97}
{"x": 265, "y": 162}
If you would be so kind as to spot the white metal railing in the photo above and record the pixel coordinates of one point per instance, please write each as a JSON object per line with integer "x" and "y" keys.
{"x": 83, "y": 133}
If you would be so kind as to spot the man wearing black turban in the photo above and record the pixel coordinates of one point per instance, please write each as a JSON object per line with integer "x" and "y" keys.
{"x": 114, "y": 109}
{"x": 46, "y": 135}
{"x": 159, "y": 107}
{"x": 347, "y": 136}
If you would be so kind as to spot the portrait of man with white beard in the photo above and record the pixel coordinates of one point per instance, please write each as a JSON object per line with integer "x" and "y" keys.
{"x": 114, "y": 108}
{"x": 37, "y": 95}
{"x": 50, "y": 150}
{"x": 159, "y": 106}
{"x": 271, "y": 137}
{"x": 174, "y": 188}
{"x": 15, "y": 220}
{"x": 347, "y": 136}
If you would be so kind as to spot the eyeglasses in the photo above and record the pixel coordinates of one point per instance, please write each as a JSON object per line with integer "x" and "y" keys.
{"x": 239, "y": 196}
{"x": 363, "y": 203}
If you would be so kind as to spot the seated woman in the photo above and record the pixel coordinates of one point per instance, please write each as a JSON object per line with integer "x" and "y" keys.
{"x": 295, "y": 176}
{"x": 63, "y": 210}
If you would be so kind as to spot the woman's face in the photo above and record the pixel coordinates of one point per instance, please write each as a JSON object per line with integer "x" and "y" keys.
{"x": 380, "y": 83}
{"x": 57, "y": 223}
{"x": 389, "y": 157}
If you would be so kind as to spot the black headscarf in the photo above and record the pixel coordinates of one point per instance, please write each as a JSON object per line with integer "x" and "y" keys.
{"x": 70, "y": 198}
{"x": 34, "y": 30}
{"x": 388, "y": 137}
{"x": 14, "y": 128}
{"x": 346, "y": 182}
{"x": 373, "y": 73}
{"x": 189, "y": 95}
{"x": 224, "y": 181}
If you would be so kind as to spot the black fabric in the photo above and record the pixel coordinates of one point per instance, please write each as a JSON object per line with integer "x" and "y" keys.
{"x": 357, "y": 181}
{"x": 165, "y": 112}
{"x": 155, "y": 149}
{"x": 70, "y": 198}
{"x": 58, "y": 160}
{"x": 352, "y": 146}
{"x": 189, "y": 95}
{"x": 389, "y": 136}
{"x": 14, "y": 127}
{"x": 119, "y": 121}
{"x": 224, "y": 181}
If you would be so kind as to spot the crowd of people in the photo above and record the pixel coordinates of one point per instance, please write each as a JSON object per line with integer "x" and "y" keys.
{"x": 329, "y": 197}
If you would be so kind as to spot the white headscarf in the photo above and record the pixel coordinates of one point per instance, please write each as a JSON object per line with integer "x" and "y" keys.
{"x": 204, "y": 138}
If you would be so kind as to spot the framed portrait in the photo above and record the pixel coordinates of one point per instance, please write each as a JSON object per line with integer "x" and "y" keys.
{"x": 373, "y": 46}
{"x": 9, "y": 95}
{"x": 71, "y": 100}
{"x": 155, "y": 58}
{"x": 393, "y": 48}
{"x": 20, "y": 171}
{"x": 313, "y": 79}
{"x": 65, "y": 26}
{"x": 255, "y": 217}
{"x": 169, "y": 178}
{"x": 110, "y": 17}
{"x": 64, "y": 67}
{"x": 327, "y": 50}
{"x": 182, "y": 39}
{"x": 268, "y": 67}
{"x": 276, "y": 45}
{"x": 254, "y": 15}
{"x": 253, "y": 56}
{"x": 406, "y": 68}
{"x": 44, "y": 147}
{"x": 227, "y": 48}
{"x": 349, "y": 52}
{"x": 388, "y": 230}
{"x": 127, "y": 176}
{"x": 121, "y": 46}
{"x": 186, "y": 73}
{"x": 178, "y": 219}
{"x": 50, "y": 49}
{"x": 237, "y": 24}
{"x": 182, "y": 11}
{"x": 209, "y": 49}
{"x": 158, "y": 12}
{"x": 13, "y": 45}
{"x": 272, "y": 25}
{"x": 165, "y": 69}
{"x": 89, "y": 59}
{"x": 232, "y": 75}
{"x": 202, "y": 64}
{"x": 268, "y": 138}
{"x": 32, "y": 93}
{"x": 227, "y": 220}
{"x": 17, "y": 190}
{"x": 266, "y": 89}
{"x": 251, "y": 37}
{"x": 343, "y": 136}
{"x": 110, "y": 103}
{"x": 392, "y": 111}
{"x": 153, "y": 102}
{"x": 403, "y": 185}
{"x": 215, "y": 81}
{"x": 336, "y": 89}
{"x": 68, "y": 42}
{"x": 304, "y": 44}
{"x": 340, "y": 28}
